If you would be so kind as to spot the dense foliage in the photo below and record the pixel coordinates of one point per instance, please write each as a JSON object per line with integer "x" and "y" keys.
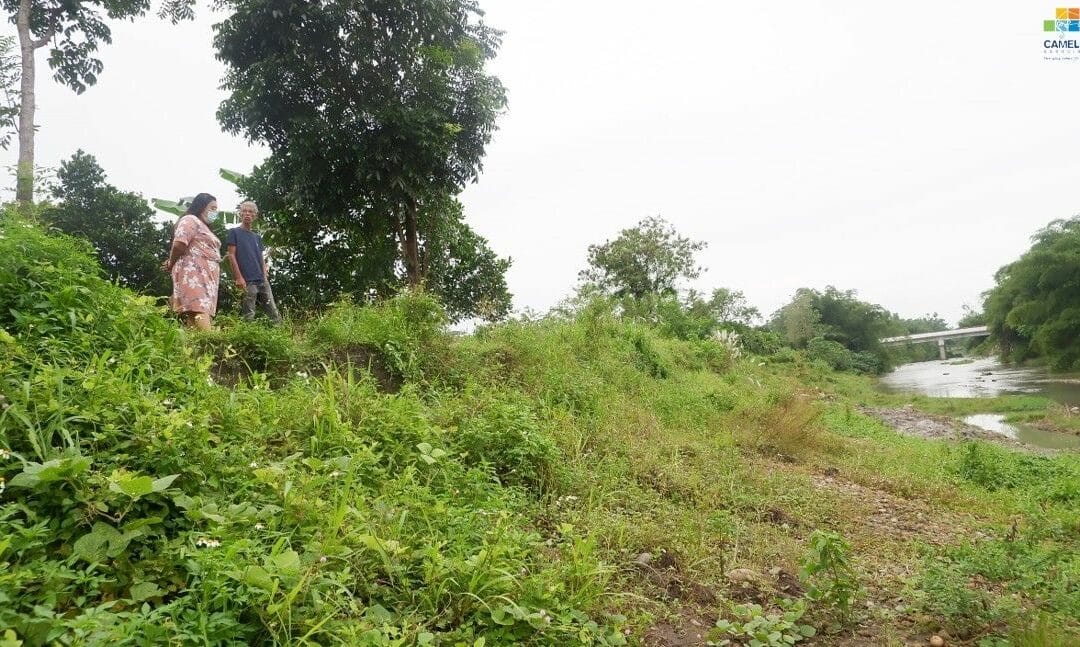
{"x": 144, "y": 503}
{"x": 837, "y": 327}
{"x": 1034, "y": 308}
{"x": 129, "y": 243}
{"x": 376, "y": 115}
{"x": 649, "y": 259}
{"x": 72, "y": 30}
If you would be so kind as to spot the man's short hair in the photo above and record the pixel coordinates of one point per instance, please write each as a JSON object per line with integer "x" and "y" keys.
{"x": 248, "y": 203}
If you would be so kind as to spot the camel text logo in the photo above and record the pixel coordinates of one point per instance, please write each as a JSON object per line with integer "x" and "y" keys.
{"x": 1065, "y": 42}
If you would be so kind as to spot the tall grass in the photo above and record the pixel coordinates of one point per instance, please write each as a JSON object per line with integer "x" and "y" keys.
{"x": 363, "y": 478}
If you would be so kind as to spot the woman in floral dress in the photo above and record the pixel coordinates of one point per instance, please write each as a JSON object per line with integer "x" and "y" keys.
{"x": 195, "y": 264}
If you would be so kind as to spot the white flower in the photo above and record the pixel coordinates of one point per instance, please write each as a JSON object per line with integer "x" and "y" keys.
{"x": 253, "y": 465}
{"x": 205, "y": 542}
{"x": 335, "y": 474}
{"x": 302, "y": 375}
{"x": 322, "y": 560}
{"x": 167, "y": 402}
{"x": 260, "y": 526}
{"x": 4, "y": 454}
{"x": 3, "y": 484}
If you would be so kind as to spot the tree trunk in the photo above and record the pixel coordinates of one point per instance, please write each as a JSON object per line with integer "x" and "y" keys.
{"x": 24, "y": 175}
{"x": 412, "y": 249}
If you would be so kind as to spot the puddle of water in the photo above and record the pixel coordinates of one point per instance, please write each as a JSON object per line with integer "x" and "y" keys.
{"x": 996, "y": 423}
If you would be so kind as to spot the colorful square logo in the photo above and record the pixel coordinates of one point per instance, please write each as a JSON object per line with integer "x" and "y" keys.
{"x": 1066, "y": 19}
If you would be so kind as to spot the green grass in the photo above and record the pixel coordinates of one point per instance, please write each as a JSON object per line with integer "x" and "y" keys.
{"x": 363, "y": 478}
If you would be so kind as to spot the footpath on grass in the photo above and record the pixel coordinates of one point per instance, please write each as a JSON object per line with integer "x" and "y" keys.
{"x": 364, "y": 478}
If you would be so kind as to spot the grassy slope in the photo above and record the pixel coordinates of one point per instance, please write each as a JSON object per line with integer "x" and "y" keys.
{"x": 551, "y": 482}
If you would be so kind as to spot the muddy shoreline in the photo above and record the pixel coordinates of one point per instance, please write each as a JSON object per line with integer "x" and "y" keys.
{"x": 911, "y": 422}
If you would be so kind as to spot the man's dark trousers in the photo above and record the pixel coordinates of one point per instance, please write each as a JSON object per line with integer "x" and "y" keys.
{"x": 259, "y": 293}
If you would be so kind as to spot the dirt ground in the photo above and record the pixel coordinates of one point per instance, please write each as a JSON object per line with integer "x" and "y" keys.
{"x": 912, "y": 422}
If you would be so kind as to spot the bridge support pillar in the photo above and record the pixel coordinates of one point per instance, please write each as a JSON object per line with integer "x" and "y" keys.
{"x": 941, "y": 348}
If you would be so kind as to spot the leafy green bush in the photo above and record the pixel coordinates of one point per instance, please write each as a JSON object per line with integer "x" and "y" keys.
{"x": 404, "y": 331}
{"x": 828, "y": 574}
{"x": 145, "y": 504}
{"x": 760, "y": 341}
{"x": 832, "y": 353}
{"x": 501, "y": 430}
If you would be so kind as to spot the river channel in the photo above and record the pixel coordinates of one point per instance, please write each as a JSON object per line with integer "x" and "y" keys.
{"x": 986, "y": 378}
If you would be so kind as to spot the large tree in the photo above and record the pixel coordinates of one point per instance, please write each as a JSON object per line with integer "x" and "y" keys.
{"x": 119, "y": 224}
{"x": 73, "y": 30}
{"x": 1034, "y": 308}
{"x": 374, "y": 113}
{"x": 315, "y": 264}
{"x": 647, "y": 260}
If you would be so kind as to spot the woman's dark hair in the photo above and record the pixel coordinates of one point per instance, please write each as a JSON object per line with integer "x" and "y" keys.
{"x": 198, "y": 204}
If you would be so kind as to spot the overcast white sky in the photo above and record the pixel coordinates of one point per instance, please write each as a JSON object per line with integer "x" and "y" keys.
{"x": 902, "y": 150}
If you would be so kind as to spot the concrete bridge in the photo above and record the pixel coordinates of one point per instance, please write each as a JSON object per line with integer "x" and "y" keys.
{"x": 940, "y": 337}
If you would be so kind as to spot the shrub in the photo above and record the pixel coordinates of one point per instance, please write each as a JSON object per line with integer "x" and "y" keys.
{"x": 502, "y": 432}
{"x": 240, "y": 348}
{"x": 403, "y": 330}
{"x": 828, "y": 574}
{"x": 830, "y": 352}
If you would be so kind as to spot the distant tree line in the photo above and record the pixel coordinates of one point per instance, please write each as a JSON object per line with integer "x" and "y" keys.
{"x": 642, "y": 269}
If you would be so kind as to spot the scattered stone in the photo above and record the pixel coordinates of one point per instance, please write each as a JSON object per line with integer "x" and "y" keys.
{"x": 937, "y": 641}
{"x": 644, "y": 559}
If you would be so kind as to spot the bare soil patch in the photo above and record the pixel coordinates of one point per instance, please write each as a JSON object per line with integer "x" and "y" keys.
{"x": 912, "y": 422}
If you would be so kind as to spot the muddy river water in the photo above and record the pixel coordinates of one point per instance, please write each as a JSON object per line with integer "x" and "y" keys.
{"x": 986, "y": 378}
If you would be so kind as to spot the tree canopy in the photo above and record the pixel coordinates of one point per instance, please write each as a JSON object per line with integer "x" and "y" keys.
{"x": 833, "y": 322}
{"x": 73, "y": 30}
{"x": 376, "y": 114}
{"x": 1034, "y": 308}
{"x": 315, "y": 265}
{"x": 648, "y": 259}
{"x": 119, "y": 224}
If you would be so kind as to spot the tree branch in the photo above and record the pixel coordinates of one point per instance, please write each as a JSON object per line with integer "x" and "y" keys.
{"x": 44, "y": 40}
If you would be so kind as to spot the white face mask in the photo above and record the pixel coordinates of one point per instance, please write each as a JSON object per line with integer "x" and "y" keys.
{"x": 211, "y": 216}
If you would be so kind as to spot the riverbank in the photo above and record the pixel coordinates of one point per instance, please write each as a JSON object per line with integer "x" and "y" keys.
{"x": 364, "y": 478}
{"x": 1020, "y": 399}
{"x": 910, "y": 421}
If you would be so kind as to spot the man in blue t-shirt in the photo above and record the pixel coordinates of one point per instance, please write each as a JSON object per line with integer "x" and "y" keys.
{"x": 246, "y": 256}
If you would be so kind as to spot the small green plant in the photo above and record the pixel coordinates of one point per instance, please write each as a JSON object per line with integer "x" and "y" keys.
{"x": 827, "y": 572}
{"x": 756, "y": 628}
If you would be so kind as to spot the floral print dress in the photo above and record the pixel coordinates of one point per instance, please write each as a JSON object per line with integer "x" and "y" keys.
{"x": 196, "y": 274}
